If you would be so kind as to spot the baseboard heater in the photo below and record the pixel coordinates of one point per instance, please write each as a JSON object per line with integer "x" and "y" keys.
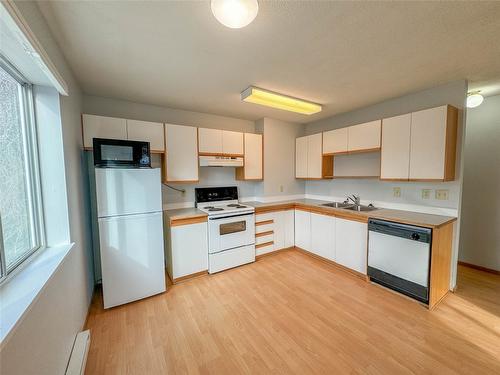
{"x": 78, "y": 358}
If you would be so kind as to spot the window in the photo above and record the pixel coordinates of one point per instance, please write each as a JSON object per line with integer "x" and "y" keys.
{"x": 21, "y": 232}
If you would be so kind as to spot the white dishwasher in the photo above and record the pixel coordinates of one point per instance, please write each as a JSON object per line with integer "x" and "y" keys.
{"x": 399, "y": 257}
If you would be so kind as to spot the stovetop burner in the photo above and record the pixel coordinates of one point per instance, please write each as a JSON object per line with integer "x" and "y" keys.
{"x": 214, "y": 208}
{"x": 236, "y": 205}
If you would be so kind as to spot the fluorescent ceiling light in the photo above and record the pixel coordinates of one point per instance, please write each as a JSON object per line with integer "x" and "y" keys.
{"x": 235, "y": 13}
{"x": 474, "y": 99}
{"x": 275, "y": 100}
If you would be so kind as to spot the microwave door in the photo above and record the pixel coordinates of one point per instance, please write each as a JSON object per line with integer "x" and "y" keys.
{"x": 121, "y": 153}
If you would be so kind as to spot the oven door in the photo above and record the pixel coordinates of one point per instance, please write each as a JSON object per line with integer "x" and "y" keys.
{"x": 230, "y": 232}
{"x": 109, "y": 153}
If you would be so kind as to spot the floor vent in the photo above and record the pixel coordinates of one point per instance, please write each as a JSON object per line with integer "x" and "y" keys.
{"x": 78, "y": 359}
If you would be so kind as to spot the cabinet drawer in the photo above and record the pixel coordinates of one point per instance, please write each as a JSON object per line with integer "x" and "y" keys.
{"x": 264, "y": 248}
{"x": 259, "y": 240}
{"x": 265, "y": 216}
{"x": 264, "y": 228}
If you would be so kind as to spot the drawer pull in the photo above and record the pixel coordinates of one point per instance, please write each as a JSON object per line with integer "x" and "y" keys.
{"x": 264, "y": 233}
{"x": 264, "y": 222}
{"x": 264, "y": 244}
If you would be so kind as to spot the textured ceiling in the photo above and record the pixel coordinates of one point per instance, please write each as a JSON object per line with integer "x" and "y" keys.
{"x": 344, "y": 55}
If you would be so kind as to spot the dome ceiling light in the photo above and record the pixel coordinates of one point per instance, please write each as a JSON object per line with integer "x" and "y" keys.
{"x": 235, "y": 13}
{"x": 474, "y": 99}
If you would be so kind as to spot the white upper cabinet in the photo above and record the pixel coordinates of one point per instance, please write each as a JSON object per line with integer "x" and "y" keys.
{"x": 308, "y": 156}
{"x": 102, "y": 127}
{"x": 210, "y": 141}
{"x": 152, "y": 132}
{"x": 301, "y": 157}
{"x": 314, "y": 155}
{"x": 395, "y": 152}
{"x": 181, "y": 161}
{"x": 252, "y": 169}
{"x": 335, "y": 141}
{"x": 433, "y": 144}
{"x": 364, "y": 136}
{"x": 218, "y": 142}
{"x": 232, "y": 143}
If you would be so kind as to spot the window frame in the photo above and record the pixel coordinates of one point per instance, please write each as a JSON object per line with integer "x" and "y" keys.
{"x": 32, "y": 176}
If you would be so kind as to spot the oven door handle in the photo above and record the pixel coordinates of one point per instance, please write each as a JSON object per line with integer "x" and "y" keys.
{"x": 227, "y": 217}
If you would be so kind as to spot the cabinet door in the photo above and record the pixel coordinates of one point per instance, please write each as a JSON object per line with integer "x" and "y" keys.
{"x": 314, "y": 155}
{"x": 301, "y": 157}
{"x": 364, "y": 136}
{"x": 395, "y": 151}
{"x": 303, "y": 229}
{"x": 335, "y": 141}
{"x": 279, "y": 230}
{"x": 351, "y": 244}
{"x": 322, "y": 236}
{"x": 152, "y": 132}
{"x": 181, "y": 161}
{"x": 189, "y": 249}
{"x": 289, "y": 225}
{"x": 210, "y": 141}
{"x": 232, "y": 143}
{"x": 102, "y": 127}
{"x": 253, "y": 157}
{"x": 428, "y": 144}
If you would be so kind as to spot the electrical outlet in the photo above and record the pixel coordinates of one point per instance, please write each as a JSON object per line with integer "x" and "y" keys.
{"x": 396, "y": 192}
{"x": 442, "y": 194}
{"x": 281, "y": 188}
{"x": 426, "y": 193}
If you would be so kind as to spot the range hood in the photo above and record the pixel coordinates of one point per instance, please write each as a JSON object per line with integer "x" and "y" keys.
{"x": 221, "y": 161}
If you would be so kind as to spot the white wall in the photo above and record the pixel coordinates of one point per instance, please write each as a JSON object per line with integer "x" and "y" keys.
{"x": 96, "y": 105}
{"x": 42, "y": 342}
{"x": 279, "y": 158}
{"x": 453, "y": 93}
{"x": 480, "y": 235}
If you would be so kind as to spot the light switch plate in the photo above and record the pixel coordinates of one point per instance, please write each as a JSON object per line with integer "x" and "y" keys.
{"x": 426, "y": 193}
{"x": 396, "y": 192}
{"x": 442, "y": 194}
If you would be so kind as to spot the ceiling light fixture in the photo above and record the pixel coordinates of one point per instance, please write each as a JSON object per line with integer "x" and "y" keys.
{"x": 275, "y": 100}
{"x": 474, "y": 99}
{"x": 235, "y": 13}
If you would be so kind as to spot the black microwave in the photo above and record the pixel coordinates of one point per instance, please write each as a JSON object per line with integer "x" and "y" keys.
{"x": 116, "y": 153}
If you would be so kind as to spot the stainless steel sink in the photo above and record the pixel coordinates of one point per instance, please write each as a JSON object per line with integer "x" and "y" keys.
{"x": 361, "y": 208}
{"x": 338, "y": 205}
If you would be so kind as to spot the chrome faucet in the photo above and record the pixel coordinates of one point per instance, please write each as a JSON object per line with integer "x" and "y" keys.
{"x": 355, "y": 199}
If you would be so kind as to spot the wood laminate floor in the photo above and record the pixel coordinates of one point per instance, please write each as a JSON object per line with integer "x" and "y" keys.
{"x": 292, "y": 314}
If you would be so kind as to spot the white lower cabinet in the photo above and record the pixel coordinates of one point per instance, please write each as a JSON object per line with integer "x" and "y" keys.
{"x": 289, "y": 221}
{"x": 323, "y": 236}
{"x": 282, "y": 228}
{"x": 351, "y": 244}
{"x": 186, "y": 249}
{"x": 303, "y": 229}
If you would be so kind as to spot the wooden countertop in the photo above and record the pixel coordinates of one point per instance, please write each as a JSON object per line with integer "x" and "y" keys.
{"x": 400, "y": 216}
{"x": 185, "y": 216}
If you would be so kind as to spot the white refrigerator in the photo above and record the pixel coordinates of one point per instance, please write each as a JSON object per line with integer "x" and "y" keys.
{"x": 129, "y": 211}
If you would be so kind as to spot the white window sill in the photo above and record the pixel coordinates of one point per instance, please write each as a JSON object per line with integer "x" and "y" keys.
{"x": 19, "y": 293}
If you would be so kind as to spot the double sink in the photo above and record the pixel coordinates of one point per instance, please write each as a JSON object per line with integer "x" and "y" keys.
{"x": 351, "y": 206}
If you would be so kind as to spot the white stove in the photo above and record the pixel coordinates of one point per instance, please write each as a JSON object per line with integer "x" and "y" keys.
{"x": 224, "y": 208}
{"x": 231, "y": 228}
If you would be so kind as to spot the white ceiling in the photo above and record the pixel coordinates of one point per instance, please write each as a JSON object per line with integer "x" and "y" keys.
{"x": 344, "y": 55}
